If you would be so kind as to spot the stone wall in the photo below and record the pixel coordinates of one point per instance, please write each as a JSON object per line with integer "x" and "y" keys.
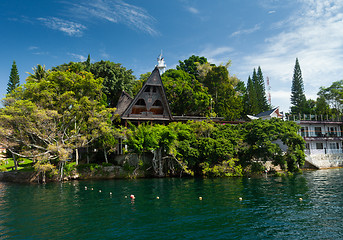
{"x": 20, "y": 177}
{"x": 324, "y": 160}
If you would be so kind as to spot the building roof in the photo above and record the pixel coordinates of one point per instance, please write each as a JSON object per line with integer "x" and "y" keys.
{"x": 124, "y": 101}
{"x": 267, "y": 113}
{"x": 150, "y": 103}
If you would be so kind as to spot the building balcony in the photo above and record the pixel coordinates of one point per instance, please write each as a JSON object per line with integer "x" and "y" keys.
{"x": 323, "y": 151}
{"x": 323, "y": 138}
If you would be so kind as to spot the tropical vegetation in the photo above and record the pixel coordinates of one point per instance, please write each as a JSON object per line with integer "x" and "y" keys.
{"x": 64, "y": 117}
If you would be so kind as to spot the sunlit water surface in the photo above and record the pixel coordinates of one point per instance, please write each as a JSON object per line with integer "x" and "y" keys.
{"x": 270, "y": 208}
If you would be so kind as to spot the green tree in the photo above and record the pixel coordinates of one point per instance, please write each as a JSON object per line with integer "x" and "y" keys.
{"x": 250, "y": 106}
{"x": 322, "y": 107}
{"x": 298, "y": 98}
{"x": 47, "y": 120}
{"x": 227, "y": 102}
{"x": 87, "y": 63}
{"x": 190, "y": 65}
{"x": 116, "y": 79}
{"x": 261, "y": 91}
{"x": 39, "y": 72}
{"x": 333, "y": 96}
{"x": 185, "y": 94}
{"x": 260, "y": 144}
{"x": 13, "y": 81}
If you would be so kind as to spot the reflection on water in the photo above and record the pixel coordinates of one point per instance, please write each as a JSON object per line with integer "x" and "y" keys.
{"x": 270, "y": 208}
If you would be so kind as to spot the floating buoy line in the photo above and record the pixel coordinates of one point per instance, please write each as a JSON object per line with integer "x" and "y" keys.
{"x": 132, "y": 196}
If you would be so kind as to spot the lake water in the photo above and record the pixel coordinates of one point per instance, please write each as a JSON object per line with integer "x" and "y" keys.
{"x": 270, "y": 208}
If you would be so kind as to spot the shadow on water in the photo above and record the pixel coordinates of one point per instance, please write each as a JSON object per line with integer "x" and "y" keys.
{"x": 270, "y": 208}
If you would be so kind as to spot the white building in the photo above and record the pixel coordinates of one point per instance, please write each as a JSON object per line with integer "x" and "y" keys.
{"x": 322, "y": 137}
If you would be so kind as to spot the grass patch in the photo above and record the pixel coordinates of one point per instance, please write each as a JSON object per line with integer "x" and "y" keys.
{"x": 24, "y": 164}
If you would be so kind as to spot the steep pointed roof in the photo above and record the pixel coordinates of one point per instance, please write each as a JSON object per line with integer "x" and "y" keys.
{"x": 150, "y": 103}
{"x": 124, "y": 101}
{"x": 269, "y": 113}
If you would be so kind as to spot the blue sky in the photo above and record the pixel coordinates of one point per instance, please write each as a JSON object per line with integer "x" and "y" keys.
{"x": 250, "y": 33}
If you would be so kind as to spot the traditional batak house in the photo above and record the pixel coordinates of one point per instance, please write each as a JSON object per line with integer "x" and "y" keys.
{"x": 151, "y": 103}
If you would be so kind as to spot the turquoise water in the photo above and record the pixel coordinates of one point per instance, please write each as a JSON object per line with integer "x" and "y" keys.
{"x": 270, "y": 208}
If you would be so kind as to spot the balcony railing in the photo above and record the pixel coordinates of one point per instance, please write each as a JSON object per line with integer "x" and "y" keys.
{"x": 323, "y": 151}
{"x": 311, "y": 117}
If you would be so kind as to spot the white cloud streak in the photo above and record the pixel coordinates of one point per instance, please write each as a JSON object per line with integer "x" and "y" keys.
{"x": 246, "y": 31}
{"x": 192, "y": 10}
{"x": 216, "y": 55}
{"x": 79, "y": 57}
{"x": 68, "y": 27}
{"x": 116, "y": 11}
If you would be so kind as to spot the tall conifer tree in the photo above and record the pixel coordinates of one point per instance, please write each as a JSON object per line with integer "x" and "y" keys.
{"x": 298, "y": 98}
{"x": 88, "y": 63}
{"x": 13, "y": 81}
{"x": 261, "y": 91}
{"x": 251, "y": 99}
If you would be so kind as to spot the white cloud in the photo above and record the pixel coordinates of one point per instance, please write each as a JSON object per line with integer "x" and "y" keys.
{"x": 217, "y": 55}
{"x": 116, "y": 11}
{"x": 246, "y": 31}
{"x": 192, "y": 10}
{"x": 313, "y": 34}
{"x": 79, "y": 57}
{"x": 68, "y": 27}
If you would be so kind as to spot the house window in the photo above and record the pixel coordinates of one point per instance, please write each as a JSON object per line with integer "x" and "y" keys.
{"x": 304, "y": 131}
{"x": 147, "y": 89}
{"x": 319, "y": 146}
{"x": 332, "y": 146}
{"x": 318, "y": 131}
{"x": 139, "y": 107}
{"x": 157, "y": 108}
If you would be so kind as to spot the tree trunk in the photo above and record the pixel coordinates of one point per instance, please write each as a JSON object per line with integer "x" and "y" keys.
{"x": 87, "y": 156}
{"x": 157, "y": 162}
{"x": 61, "y": 177}
{"x": 160, "y": 172}
{"x": 76, "y": 156}
{"x": 43, "y": 173}
{"x": 15, "y": 162}
{"x": 105, "y": 154}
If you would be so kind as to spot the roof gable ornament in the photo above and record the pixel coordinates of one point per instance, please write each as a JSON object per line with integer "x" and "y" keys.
{"x": 161, "y": 64}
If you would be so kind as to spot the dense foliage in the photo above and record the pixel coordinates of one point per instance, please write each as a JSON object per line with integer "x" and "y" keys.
{"x": 59, "y": 112}
{"x": 116, "y": 78}
{"x": 47, "y": 119}
{"x": 185, "y": 94}
{"x": 206, "y": 148}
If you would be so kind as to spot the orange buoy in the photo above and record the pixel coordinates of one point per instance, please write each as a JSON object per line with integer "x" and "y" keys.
{"x": 132, "y": 196}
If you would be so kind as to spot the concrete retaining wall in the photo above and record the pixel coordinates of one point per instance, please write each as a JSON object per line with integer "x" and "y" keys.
{"x": 325, "y": 160}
